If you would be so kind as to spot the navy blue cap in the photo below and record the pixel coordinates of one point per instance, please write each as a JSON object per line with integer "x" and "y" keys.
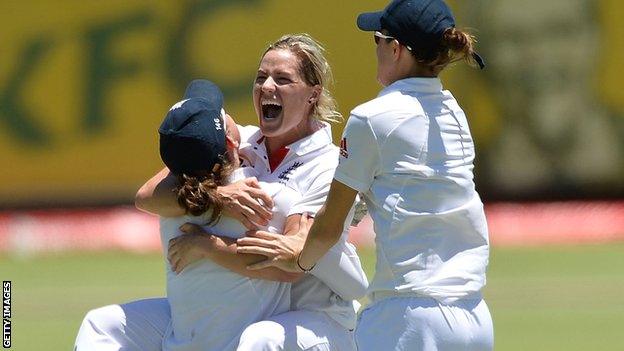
{"x": 418, "y": 24}
{"x": 192, "y": 135}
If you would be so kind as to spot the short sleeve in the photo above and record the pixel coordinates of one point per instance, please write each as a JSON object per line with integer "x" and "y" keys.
{"x": 246, "y": 132}
{"x": 359, "y": 155}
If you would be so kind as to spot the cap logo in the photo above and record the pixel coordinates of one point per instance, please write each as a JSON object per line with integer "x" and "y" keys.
{"x": 217, "y": 123}
{"x": 178, "y": 104}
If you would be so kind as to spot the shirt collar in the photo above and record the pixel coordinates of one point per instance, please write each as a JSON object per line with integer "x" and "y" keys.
{"x": 312, "y": 142}
{"x": 418, "y": 85}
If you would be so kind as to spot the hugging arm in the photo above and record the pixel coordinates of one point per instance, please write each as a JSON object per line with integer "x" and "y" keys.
{"x": 197, "y": 244}
{"x": 339, "y": 268}
{"x": 328, "y": 225}
{"x": 157, "y": 195}
{"x": 240, "y": 199}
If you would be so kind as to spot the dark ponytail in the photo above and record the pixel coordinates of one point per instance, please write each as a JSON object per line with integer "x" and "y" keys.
{"x": 460, "y": 45}
{"x": 455, "y": 45}
{"x": 198, "y": 193}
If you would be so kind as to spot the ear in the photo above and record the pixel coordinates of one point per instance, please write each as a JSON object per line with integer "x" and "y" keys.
{"x": 396, "y": 49}
{"x": 316, "y": 92}
{"x": 231, "y": 143}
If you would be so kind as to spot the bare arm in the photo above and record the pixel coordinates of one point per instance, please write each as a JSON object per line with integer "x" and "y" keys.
{"x": 197, "y": 244}
{"x": 340, "y": 268}
{"x": 328, "y": 225}
{"x": 156, "y": 196}
{"x": 324, "y": 233}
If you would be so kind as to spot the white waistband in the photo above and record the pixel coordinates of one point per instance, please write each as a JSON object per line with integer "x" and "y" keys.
{"x": 385, "y": 294}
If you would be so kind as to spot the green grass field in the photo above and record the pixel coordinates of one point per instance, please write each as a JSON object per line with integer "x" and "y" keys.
{"x": 564, "y": 298}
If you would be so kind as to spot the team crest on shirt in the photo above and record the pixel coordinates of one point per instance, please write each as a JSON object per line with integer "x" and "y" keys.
{"x": 343, "y": 148}
{"x": 285, "y": 175}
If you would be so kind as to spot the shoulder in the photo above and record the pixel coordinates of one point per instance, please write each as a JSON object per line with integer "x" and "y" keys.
{"x": 386, "y": 112}
{"x": 388, "y": 105}
{"x": 248, "y": 132}
{"x": 322, "y": 160}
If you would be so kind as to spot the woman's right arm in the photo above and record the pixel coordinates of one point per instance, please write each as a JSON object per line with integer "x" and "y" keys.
{"x": 197, "y": 244}
{"x": 157, "y": 195}
{"x": 240, "y": 199}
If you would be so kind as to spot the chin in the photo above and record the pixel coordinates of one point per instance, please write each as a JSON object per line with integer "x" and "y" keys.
{"x": 269, "y": 130}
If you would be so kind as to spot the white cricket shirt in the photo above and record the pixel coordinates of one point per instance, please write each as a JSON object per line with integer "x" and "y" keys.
{"x": 410, "y": 153}
{"x": 307, "y": 170}
{"x": 211, "y": 305}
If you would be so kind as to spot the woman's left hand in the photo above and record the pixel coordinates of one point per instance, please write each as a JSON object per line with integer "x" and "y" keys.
{"x": 281, "y": 250}
{"x": 189, "y": 247}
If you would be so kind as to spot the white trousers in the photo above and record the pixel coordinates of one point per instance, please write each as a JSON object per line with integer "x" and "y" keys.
{"x": 141, "y": 325}
{"x": 134, "y": 326}
{"x": 297, "y": 330}
{"x": 423, "y": 324}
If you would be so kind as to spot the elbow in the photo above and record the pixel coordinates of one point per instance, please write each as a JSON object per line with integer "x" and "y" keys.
{"x": 141, "y": 200}
{"x": 145, "y": 200}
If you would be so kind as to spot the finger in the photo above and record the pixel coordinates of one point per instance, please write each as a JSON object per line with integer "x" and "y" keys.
{"x": 303, "y": 220}
{"x": 308, "y": 221}
{"x": 252, "y": 216}
{"x": 252, "y": 182}
{"x": 170, "y": 255}
{"x": 255, "y": 242}
{"x": 261, "y": 265}
{"x": 261, "y": 195}
{"x": 172, "y": 243}
{"x": 263, "y": 235}
{"x": 257, "y": 250}
{"x": 191, "y": 228}
{"x": 181, "y": 265}
{"x": 260, "y": 211}
{"x": 174, "y": 263}
{"x": 173, "y": 247}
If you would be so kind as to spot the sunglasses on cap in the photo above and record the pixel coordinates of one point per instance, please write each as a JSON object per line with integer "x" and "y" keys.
{"x": 379, "y": 35}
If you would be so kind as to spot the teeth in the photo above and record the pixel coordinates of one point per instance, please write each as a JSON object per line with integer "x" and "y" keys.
{"x": 273, "y": 103}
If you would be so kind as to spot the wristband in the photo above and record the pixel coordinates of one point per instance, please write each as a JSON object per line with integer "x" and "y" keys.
{"x": 304, "y": 269}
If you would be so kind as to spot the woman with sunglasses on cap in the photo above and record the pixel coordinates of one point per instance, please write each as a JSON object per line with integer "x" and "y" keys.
{"x": 410, "y": 154}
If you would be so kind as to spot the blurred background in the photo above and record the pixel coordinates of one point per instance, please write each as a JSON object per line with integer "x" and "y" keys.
{"x": 84, "y": 86}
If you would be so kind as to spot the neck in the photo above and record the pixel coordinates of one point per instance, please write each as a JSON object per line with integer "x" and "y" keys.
{"x": 408, "y": 67}
{"x": 303, "y": 130}
{"x": 420, "y": 71}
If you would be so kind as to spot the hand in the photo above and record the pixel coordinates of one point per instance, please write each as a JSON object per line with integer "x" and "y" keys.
{"x": 247, "y": 202}
{"x": 189, "y": 247}
{"x": 281, "y": 251}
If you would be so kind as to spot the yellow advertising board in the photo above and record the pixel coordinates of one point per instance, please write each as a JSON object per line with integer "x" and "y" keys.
{"x": 85, "y": 84}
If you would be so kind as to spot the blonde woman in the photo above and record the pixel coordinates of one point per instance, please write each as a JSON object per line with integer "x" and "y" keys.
{"x": 292, "y": 151}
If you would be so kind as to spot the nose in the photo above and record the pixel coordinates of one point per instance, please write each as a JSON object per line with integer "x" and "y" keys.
{"x": 268, "y": 86}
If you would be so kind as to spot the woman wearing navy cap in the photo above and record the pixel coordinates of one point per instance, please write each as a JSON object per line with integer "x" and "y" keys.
{"x": 410, "y": 154}
{"x": 292, "y": 154}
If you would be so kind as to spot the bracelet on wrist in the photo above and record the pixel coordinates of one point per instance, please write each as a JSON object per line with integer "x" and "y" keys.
{"x": 305, "y": 270}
